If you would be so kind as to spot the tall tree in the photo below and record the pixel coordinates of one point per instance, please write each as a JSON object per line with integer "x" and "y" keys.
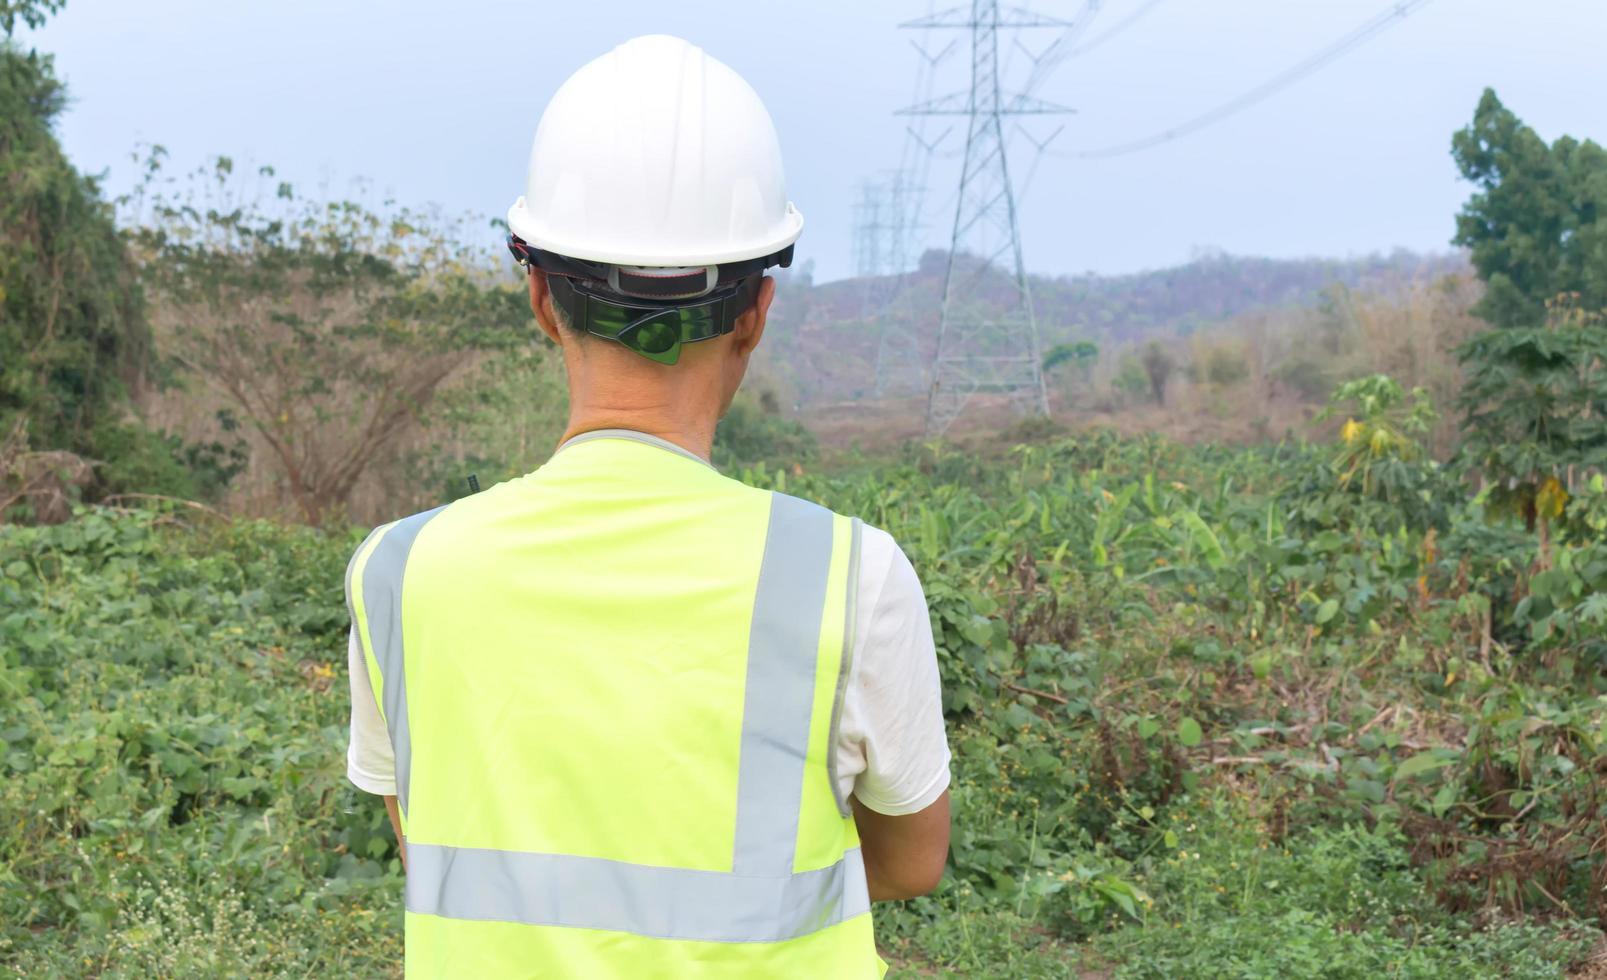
{"x": 1537, "y": 226}
{"x": 1158, "y": 366}
{"x": 72, "y": 333}
{"x": 328, "y": 328}
{"x": 70, "y": 315}
{"x": 1535, "y": 389}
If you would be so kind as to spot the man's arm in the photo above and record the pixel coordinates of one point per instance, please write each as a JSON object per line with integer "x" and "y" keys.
{"x": 396, "y": 825}
{"x": 370, "y": 762}
{"x": 892, "y": 736}
{"x": 904, "y": 856}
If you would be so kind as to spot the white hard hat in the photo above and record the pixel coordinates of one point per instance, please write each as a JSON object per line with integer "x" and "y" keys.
{"x": 656, "y": 155}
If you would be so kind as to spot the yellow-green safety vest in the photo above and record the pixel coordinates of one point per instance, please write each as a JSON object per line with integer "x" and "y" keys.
{"x": 612, "y": 687}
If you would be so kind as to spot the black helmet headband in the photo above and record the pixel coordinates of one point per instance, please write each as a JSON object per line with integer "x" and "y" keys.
{"x": 653, "y": 312}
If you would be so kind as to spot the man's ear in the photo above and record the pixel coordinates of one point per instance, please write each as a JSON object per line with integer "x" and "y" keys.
{"x": 750, "y": 325}
{"x": 541, "y": 306}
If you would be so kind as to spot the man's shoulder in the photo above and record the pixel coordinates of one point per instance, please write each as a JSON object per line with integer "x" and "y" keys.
{"x": 391, "y": 535}
{"x": 874, "y": 541}
{"x": 885, "y": 571}
{"x": 410, "y": 523}
{"x": 887, "y": 577}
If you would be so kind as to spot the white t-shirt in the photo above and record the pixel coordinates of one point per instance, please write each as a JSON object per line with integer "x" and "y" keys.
{"x": 892, "y": 752}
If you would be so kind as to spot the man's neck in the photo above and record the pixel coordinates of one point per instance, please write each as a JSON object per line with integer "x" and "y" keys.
{"x": 612, "y": 388}
{"x": 689, "y": 435}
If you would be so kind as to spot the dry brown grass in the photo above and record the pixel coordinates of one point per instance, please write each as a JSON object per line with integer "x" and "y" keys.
{"x": 1410, "y": 336}
{"x": 46, "y": 482}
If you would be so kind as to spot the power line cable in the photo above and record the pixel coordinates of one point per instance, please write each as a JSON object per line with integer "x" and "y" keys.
{"x": 1362, "y": 34}
{"x": 1061, "y": 48}
{"x": 1117, "y": 28}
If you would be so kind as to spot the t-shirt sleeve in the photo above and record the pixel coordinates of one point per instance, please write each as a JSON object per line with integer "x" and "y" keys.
{"x": 370, "y": 762}
{"x": 893, "y": 711}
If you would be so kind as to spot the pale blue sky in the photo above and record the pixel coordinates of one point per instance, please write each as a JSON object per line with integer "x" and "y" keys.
{"x": 436, "y": 102}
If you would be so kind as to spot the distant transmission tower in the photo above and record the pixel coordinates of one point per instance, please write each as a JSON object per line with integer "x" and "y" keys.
{"x": 988, "y": 336}
{"x": 873, "y": 219}
{"x": 901, "y": 362}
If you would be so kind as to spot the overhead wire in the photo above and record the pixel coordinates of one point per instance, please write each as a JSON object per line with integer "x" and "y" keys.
{"x": 1366, "y": 32}
{"x": 1061, "y": 48}
{"x": 1117, "y": 28}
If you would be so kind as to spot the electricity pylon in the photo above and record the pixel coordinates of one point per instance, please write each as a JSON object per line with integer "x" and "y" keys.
{"x": 988, "y": 335}
{"x": 901, "y": 362}
{"x": 872, "y": 221}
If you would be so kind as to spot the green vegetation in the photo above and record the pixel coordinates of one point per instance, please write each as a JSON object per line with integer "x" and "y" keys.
{"x": 298, "y": 346}
{"x": 1538, "y": 223}
{"x": 1281, "y": 710}
{"x": 73, "y": 338}
{"x": 822, "y": 348}
{"x": 1203, "y": 726}
{"x": 1535, "y": 400}
{"x": 1080, "y": 354}
{"x": 173, "y": 801}
{"x": 32, "y": 13}
{"x": 326, "y": 329}
{"x": 755, "y": 431}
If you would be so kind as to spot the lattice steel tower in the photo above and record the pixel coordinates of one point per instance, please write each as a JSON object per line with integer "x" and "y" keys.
{"x": 901, "y": 363}
{"x": 988, "y": 336}
{"x": 873, "y": 219}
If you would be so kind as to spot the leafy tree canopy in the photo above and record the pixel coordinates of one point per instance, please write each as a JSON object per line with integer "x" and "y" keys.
{"x": 1536, "y": 404}
{"x": 1535, "y": 392}
{"x": 327, "y": 327}
{"x": 72, "y": 334}
{"x": 1537, "y": 227}
{"x": 33, "y": 13}
{"x": 1080, "y": 352}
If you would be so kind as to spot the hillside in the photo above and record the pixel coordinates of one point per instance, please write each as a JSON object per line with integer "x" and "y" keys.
{"x": 821, "y": 348}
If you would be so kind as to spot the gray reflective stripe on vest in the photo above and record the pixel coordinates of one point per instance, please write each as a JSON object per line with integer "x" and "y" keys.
{"x": 783, "y": 645}
{"x": 351, "y": 569}
{"x": 850, "y": 618}
{"x": 665, "y": 903}
{"x": 761, "y": 900}
{"x": 631, "y": 435}
{"x": 382, "y": 600}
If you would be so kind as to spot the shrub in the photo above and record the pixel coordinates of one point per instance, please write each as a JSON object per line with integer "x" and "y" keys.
{"x": 755, "y": 431}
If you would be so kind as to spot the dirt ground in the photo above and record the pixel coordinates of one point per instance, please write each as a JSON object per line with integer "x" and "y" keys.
{"x": 1594, "y": 968}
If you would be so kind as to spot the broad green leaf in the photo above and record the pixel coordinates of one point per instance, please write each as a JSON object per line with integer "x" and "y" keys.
{"x": 1445, "y": 799}
{"x": 1205, "y": 539}
{"x": 1420, "y": 763}
{"x": 1327, "y": 611}
{"x": 1188, "y": 732}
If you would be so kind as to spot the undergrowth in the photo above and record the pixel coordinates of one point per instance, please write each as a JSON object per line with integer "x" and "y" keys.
{"x": 1213, "y": 715}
